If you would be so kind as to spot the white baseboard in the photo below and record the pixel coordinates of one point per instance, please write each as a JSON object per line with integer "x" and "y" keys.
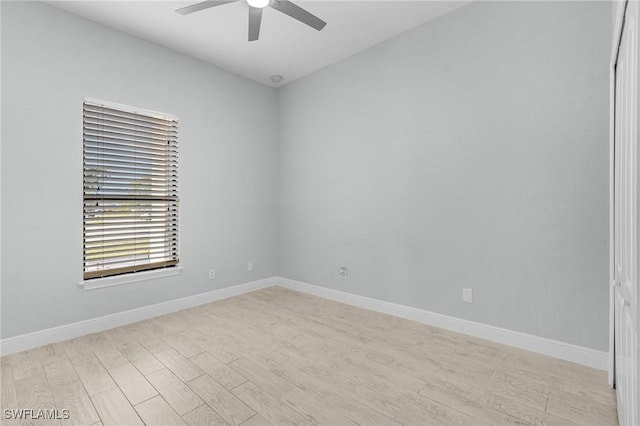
{"x": 541, "y": 345}
{"x": 566, "y": 351}
{"x": 93, "y": 325}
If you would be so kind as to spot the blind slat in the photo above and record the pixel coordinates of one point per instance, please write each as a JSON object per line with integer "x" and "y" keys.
{"x": 102, "y": 139}
{"x": 103, "y": 151}
{"x": 167, "y": 246}
{"x": 94, "y": 236}
{"x": 131, "y": 161}
{"x": 92, "y": 243}
{"x": 101, "y": 122}
{"x": 89, "y": 214}
{"x": 95, "y": 167}
{"x": 124, "y": 145}
{"x": 99, "y": 134}
{"x": 130, "y": 250}
{"x": 144, "y": 118}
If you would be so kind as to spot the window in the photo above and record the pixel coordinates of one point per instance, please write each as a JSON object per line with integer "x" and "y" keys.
{"x": 130, "y": 190}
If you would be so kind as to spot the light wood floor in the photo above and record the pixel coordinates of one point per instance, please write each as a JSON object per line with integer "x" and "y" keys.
{"x": 278, "y": 357}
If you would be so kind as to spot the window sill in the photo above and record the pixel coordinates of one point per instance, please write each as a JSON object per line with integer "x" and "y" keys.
{"x": 129, "y": 278}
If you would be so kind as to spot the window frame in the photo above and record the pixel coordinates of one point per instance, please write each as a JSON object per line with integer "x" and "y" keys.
{"x": 131, "y": 276}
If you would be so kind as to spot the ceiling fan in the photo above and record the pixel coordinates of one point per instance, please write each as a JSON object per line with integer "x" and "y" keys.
{"x": 255, "y": 13}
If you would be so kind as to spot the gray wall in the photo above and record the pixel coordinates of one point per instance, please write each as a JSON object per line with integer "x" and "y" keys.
{"x": 50, "y": 61}
{"x": 469, "y": 152}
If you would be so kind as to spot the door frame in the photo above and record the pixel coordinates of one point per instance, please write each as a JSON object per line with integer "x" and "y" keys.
{"x": 619, "y": 7}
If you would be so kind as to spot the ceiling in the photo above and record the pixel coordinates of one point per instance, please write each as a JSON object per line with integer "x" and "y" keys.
{"x": 286, "y": 47}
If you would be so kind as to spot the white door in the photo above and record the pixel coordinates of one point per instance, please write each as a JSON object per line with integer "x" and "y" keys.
{"x": 626, "y": 221}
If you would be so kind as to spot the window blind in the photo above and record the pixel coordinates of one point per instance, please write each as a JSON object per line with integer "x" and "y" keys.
{"x": 130, "y": 190}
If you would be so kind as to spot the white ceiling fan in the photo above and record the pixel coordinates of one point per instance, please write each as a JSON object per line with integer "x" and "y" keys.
{"x": 255, "y": 13}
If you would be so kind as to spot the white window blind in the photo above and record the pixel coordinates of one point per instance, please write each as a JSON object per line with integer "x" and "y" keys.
{"x": 130, "y": 190}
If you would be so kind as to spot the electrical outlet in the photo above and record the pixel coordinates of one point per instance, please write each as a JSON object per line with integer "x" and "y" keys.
{"x": 250, "y": 266}
{"x": 212, "y": 274}
{"x": 467, "y": 295}
{"x": 342, "y": 272}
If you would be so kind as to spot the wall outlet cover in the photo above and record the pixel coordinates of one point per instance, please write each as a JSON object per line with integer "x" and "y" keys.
{"x": 467, "y": 295}
{"x": 342, "y": 272}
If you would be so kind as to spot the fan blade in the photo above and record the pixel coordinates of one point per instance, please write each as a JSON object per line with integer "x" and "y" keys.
{"x": 296, "y": 12}
{"x": 202, "y": 5}
{"x": 255, "y": 17}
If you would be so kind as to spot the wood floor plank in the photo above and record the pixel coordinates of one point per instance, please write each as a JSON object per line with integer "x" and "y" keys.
{"x": 337, "y": 391}
{"x": 322, "y": 386}
{"x": 531, "y": 393}
{"x": 181, "y": 398}
{"x": 260, "y": 376}
{"x": 318, "y": 386}
{"x": 152, "y": 343}
{"x": 179, "y": 365}
{"x": 68, "y": 391}
{"x": 78, "y": 348}
{"x": 371, "y": 391}
{"x": 204, "y": 416}
{"x": 132, "y": 383}
{"x": 365, "y": 415}
{"x": 230, "y": 408}
{"x": 183, "y": 345}
{"x": 268, "y": 407}
{"x": 172, "y": 323}
{"x": 156, "y": 412}
{"x": 217, "y": 369}
{"x": 580, "y": 409}
{"x": 548, "y": 368}
{"x": 33, "y": 393}
{"x": 316, "y": 410}
{"x": 597, "y": 389}
{"x": 427, "y": 411}
{"x": 467, "y": 397}
{"x": 114, "y": 409}
{"x": 7, "y": 385}
{"x": 109, "y": 355}
{"x": 47, "y": 353}
{"x": 60, "y": 372}
{"x": 93, "y": 375}
{"x": 217, "y": 346}
{"x": 25, "y": 364}
{"x": 256, "y": 420}
{"x": 8, "y": 399}
{"x": 530, "y": 414}
{"x": 72, "y": 396}
{"x": 142, "y": 359}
